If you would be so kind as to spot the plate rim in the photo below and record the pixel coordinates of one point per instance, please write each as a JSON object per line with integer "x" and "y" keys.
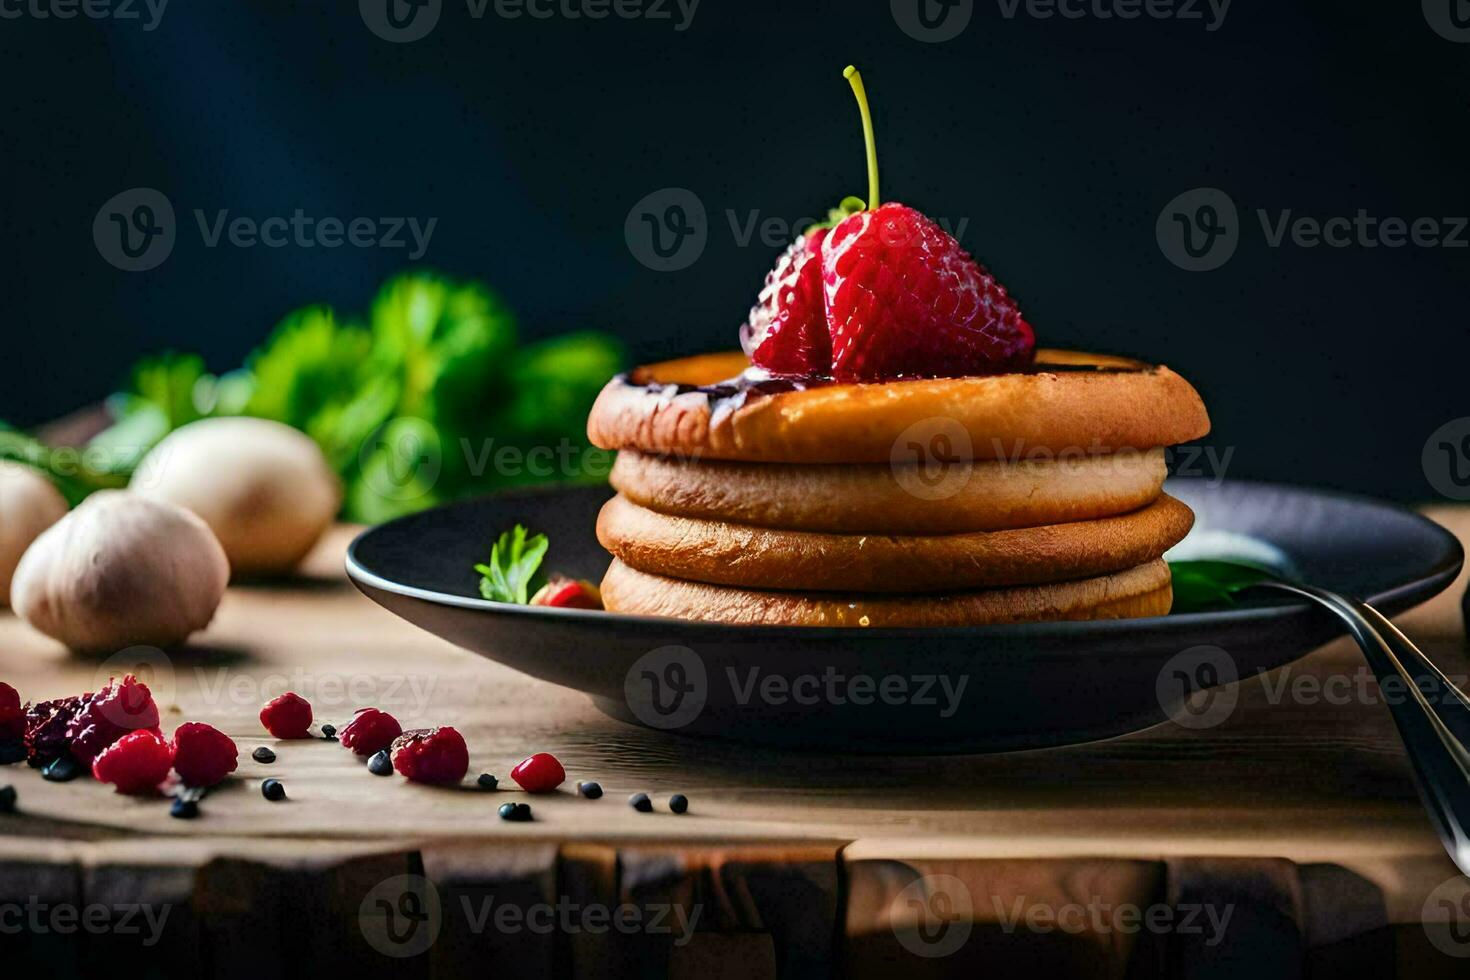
{"x": 1433, "y": 583}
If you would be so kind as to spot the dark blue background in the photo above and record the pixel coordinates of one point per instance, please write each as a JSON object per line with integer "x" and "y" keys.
{"x": 530, "y": 140}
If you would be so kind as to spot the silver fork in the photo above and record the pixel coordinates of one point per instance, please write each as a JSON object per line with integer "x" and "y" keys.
{"x": 1435, "y": 729}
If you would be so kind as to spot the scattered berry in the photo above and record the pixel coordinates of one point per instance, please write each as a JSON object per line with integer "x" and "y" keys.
{"x": 541, "y": 773}
{"x": 431, "y": 755}
{"x": 641, "y": 802}
{"x": 679, "y": 803}
{"x": 273, "y": 790}
{"x": 787, "y": 332}
{"x": 184, "y": 809}
{"x": 203, "y": 755}
{"x": 12, "y": 726}
{"x": 135, "y": 763}
{"x": 12, "y": 718}
{"x": 263, "y": 755}
{"x": 904, "y": 299}
{"x": 370, "y": 731}
{"x": 568, "y": 593}
{"x": 46, "y": 721}
{"x": 8, "y": 798}
{"x": 381, "y": 764}
{"x": 288, "y": 716}
{"x": 120, "y": 707}
{"x": 590, "y": 789}
{"x": 329, "y": 732}
{"x": 487, "y": 781}
{"x": 62, "y": 769}
{"x": 518, "y": 812}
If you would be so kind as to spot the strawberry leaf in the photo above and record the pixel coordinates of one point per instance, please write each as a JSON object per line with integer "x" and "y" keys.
{"x": 848, "y": 207}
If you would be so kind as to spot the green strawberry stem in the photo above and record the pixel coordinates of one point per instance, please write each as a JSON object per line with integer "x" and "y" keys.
{"x": 855, "y": 79}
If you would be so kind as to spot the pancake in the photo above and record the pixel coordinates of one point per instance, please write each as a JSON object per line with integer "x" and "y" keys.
{"x": 939, "y": 498}
{"x": 724, "y": 553}
{"x": 1070, "y": 403}
{"x": 1140, "y": 591}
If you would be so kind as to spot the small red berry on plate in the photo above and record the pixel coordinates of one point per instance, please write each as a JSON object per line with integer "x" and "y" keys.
{"x": 786, "y": 332}
{"x": 120, "y": 707}
{"x": 431, "y": 755}
{"x": 203, "y": 755}
{"x": 568, "y": 593}
{"x": 370, "y": 731}
{"x": 541, "y": 773}
{"x": 135, "y": 763}
{"x": 288, "y": 716}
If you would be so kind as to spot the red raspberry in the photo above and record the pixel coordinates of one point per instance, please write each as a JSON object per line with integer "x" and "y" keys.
{"x": 541, "y": 773}
{"x": 288, "y": 716}
{"x": 904, "y": 299}
{"x": 370, "y": 731}
{"x": 135, "y": 763}
{"x": 46, "y": 723}
{"x": 431, "y": 755}
{"x": 120, "y": 707}
{"x": 12, "y": 718}
{"x": 203, "y": 755}
{"x": 787, "y": 329}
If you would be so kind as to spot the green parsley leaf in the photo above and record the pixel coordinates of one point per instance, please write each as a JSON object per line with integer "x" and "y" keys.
{"x": 514, "y": 560}
{"x": 1200, "y": 586}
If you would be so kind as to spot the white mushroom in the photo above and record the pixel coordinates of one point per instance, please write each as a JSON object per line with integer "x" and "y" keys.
{"x": 121, "y": 570}
{"x": 29, "y": 504}
{"x": 264, "y": 488}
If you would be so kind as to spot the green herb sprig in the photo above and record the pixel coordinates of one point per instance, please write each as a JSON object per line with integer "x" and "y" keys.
{"x": 514, "y": 561}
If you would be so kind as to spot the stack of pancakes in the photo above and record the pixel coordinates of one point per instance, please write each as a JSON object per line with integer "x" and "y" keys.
{"x": 943, "y": 502}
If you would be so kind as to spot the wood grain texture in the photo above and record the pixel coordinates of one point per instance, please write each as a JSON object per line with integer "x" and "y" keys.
{"x": 1317, "y": 783}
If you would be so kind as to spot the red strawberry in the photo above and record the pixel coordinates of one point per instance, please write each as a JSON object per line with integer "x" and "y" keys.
{"x": 904, "y": 299}
{"x": 568, "y": 593}
{"x": 787, "y": 329}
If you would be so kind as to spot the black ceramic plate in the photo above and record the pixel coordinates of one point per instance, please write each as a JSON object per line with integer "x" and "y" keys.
{"x": 906, "y": 690}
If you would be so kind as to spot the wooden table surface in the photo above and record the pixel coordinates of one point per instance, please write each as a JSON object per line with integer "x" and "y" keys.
{"x": 1300, "y": 804}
